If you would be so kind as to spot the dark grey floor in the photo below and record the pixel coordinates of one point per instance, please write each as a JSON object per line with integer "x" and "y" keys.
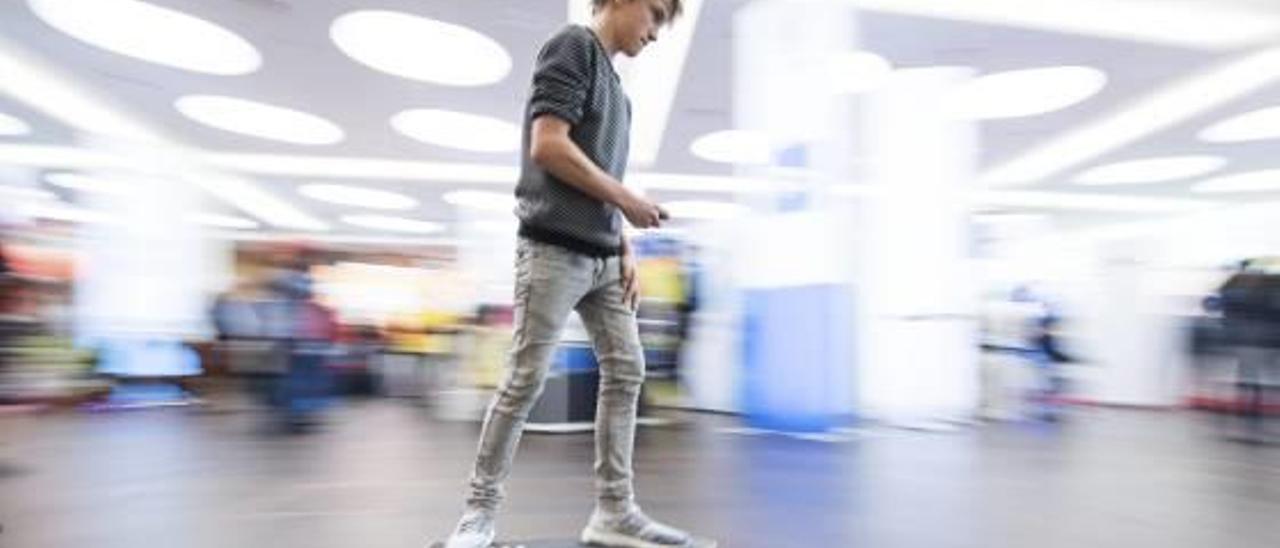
{"x": 384, "y": 475}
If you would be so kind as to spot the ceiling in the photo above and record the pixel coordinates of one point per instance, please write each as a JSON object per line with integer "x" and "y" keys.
{"x": 302, "y": 68}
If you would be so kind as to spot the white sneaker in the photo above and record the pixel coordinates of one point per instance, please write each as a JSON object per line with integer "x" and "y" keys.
{"x": 634, "y": 530}
{"x": 475, "y": 530}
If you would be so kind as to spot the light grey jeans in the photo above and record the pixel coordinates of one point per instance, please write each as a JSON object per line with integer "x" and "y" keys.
{"x": 551, "y": 282}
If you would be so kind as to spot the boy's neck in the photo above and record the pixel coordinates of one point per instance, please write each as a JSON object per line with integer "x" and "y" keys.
{"x": 604, "y": 34}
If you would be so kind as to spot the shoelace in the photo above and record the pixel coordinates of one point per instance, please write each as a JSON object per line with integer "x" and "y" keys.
{"x": 634, "y": 522}
{"x": 641, "y": 525}
{"x": 473, "y": 524}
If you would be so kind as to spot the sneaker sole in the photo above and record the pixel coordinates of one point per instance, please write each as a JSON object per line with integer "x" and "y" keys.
{"x": 487, "y": 544}
{"x": 593, "y": 537}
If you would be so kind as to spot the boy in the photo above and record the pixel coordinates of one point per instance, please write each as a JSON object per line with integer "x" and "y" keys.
{"x": 571, "y": 255}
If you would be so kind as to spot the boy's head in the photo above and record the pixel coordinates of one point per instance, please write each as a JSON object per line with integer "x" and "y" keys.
{"x": 635, "y": 23}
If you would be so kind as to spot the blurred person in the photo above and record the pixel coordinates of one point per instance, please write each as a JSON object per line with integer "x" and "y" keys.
{"x": 1208, "y": 347}
{"x": 305, "y": 329}
{"x": 226, "y": 313}
{"x": 1021, "y": 375}
{"x": 1250, "y": 304}
{"x": 1007, "y": 338}
{"x": 1044, "y": 354}
{"x": 242, "y": 347}
{"x": 572, "y": 254}
{"x": 1049, "y": 358}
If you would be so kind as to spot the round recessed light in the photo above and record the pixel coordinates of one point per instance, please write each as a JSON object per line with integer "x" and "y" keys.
{"x": 458, "y": 130}
{"x": 1257, "y": 125}
{"x": 704, "y": 210}
{"x": 393, "y": 224}
{"x": 88, "y": 183}
{"x": 11, "y": 126}
{"x": 733, "y": 146}
{"x": 1151, "y": 170}
{"x": 151, "y": 33}
{"x": 259, "y": 119}
{"x": 420, "y": 49}
{"x": 1253, "y": 181}
{"x": 484, "y": 201}
{"x": 215, "y": 220}
{"x": 857, "y": 71}
{"x": 358, "y": 196}
{"x": 1028, "y": 92}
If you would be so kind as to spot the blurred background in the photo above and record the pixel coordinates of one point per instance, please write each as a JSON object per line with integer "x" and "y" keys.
{"x": 1008, "y": 270}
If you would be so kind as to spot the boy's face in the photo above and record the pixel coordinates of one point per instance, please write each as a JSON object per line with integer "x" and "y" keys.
{"x": 638, "y": 22}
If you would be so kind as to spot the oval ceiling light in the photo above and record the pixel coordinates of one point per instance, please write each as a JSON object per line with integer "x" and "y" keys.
{"x": 484, "y": 201}
{"x": 393, "y": 224}
{"x": 420, "y": 49}
{"x": 458, "y": 130}
{"x": 11, "y": 126}
{"x": 857, "y": 71}
{"x": 259, "y": 119}
{"x": 358, "y": 196}
{"x": 1253, "y": 181}
{"x": 215, "y": 220}
{"x": 1028, "y": 92}
{"x": 87, "y": 183}
{"x": 1257, "y": 125}
{"x": 1151, "y": 170}
{"x": 733, "y": 146}
{"x": 151, "y": 33}
{"x": 704, "y": 210}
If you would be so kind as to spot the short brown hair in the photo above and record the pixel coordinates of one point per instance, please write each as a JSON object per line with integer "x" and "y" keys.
{"x": 674, "y": 8}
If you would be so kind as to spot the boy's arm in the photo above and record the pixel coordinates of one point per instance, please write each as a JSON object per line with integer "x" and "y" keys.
{"x": 552, "y": 149}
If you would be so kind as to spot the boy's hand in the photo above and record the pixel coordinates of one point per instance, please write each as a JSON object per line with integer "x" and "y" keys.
{"x": 642, "y": 213}
{"x": 630, "y": 282}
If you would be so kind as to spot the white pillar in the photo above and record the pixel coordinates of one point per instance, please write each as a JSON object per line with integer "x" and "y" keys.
{"x": 788, "y": 253}
{"x": 148, "y": 270}
{"x": 917, "y": 328}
